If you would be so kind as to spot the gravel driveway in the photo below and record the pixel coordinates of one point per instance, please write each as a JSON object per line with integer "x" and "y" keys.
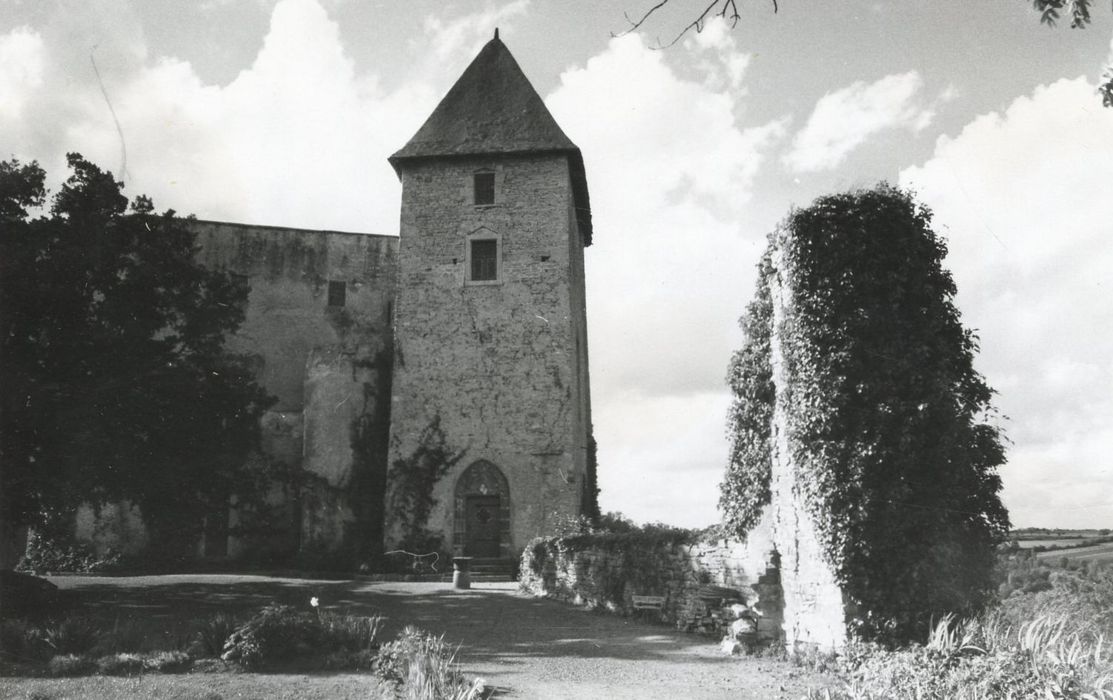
{"x": 524, "y": 646}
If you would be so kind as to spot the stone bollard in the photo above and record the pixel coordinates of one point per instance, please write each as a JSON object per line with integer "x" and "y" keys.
{"x": 461, "y": 578}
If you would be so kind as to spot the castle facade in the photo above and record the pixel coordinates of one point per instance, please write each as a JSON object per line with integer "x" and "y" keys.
{"x": 432, "y": 388}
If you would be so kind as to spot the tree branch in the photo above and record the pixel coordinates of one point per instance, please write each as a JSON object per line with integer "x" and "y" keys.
{"x": 726, "y": 9}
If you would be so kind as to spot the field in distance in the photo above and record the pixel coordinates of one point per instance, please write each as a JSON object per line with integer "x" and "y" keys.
{"x": 1053, "y": 538}
{"x": 1095, "y": 554}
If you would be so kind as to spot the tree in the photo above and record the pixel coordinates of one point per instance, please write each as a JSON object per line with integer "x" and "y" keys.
{"x": 887, "y": 421}
{"x": 116, "y": 382}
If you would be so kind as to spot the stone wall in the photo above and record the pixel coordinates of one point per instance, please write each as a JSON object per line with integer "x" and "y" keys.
{"x": 318, "y": 358}
{"x": 116, "y": 527}
{"x": 325, "y": 364}
{"x": 608, "y": 570}
{"x": 780, "y": 565}
{"x": 815, "y": 613}
{"x": 499, "y": 368}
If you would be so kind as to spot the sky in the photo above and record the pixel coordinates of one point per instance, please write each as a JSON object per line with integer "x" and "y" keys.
{"x": 283, "y": 112}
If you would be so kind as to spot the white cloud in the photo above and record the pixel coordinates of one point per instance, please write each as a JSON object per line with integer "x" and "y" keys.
{"x": 466, "y": 34}
{"x": 844, "y": 119}
{"x": 670, "y": 173}
{"x": 298, "y": 138}
{"x": 719, "y": 59}
{"x": 1022, "y": 197}
{"x": 662, "y": 457}
{"x": 21, "y": 69}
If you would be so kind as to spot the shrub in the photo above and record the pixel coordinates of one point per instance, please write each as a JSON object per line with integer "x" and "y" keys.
{"x": 71, "y": 665}
{"x": 352, "y": 641}
{"x": 167, "y": 662}
{"x": 28, "y": 596}
{"x": 120, "y": 664}
{"x": 423, "y": 667}
{"x": 22, "y": 642}
{"x": 282, "y": 636}
{"x": 1046, "y": 657}
{"x": 46, "y": 554}
{"x": 213, "y": 632}
{"x": 125, "y": 636}
{"x": 277, "y": 635}
{"x": 73, "y": 635}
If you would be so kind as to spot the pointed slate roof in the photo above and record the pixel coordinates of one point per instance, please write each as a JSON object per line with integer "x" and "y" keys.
{"x": 493, "y": 109}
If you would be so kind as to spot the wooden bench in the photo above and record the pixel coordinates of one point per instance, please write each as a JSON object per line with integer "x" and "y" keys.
{"x": 649, "y": 602}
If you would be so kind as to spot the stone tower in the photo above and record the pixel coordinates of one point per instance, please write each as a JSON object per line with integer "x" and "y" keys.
{"x": 490, "y": 405}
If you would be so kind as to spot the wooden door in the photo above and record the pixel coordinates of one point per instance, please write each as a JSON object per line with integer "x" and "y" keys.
{"x": 482, "y": 526}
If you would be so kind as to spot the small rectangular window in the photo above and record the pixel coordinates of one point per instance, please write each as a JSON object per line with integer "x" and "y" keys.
{"x": 337, "y": 293}
{"x": 484, "y": 188}
{"x": 484, "y": 260}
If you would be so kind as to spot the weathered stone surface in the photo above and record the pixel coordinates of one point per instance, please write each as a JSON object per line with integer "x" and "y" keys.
{"x": 287, "y": 313}
{"x": 116, "y": 527}
{"x": 815, "y": 614}
{"x": 609, "y": 577}
{"x": 501, "y": 368}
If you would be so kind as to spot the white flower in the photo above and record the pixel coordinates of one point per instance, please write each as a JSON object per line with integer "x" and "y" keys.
{"x": 314, "y": 602}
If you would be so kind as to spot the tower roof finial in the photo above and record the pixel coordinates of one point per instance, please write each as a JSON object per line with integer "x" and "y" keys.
{"x": 496, "y": 32}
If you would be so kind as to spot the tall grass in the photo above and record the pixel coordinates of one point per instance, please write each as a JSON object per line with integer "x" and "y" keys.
{"x": 1050, "y": 645}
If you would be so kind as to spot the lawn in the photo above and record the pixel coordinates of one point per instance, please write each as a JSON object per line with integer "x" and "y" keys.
{"x": 107, "y": 621}
{"x": 522, "y": 646}
{"x": 200, "y": 686}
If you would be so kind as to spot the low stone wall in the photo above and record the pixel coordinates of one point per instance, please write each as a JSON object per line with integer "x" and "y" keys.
{"x": 607, "y": 570}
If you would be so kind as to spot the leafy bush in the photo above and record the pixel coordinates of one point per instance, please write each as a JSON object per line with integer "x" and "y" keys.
{"x": 46, "y": 554}
{"x": 167, "y": 662}
{"x": 423, "y": 667}
{"x": 281, "y": 636}
{"x": 278, "y": 635}
{"x": 71, "y": 665}
{"x": 125, "y": 664}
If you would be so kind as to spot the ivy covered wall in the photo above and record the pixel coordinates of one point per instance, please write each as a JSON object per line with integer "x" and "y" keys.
{"x": 859, "y": 420}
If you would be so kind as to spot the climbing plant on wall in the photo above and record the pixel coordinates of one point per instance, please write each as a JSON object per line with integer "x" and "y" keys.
{"x": 744, "y": 491}
{"x": 889, "y": 425}
{"x": 412, "y": 480}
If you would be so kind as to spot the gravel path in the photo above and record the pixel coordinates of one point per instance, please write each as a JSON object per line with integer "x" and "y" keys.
{"x": 525, "y": 647}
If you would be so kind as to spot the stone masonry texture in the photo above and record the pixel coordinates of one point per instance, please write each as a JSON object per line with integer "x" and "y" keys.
{"x": 500, "y": 367}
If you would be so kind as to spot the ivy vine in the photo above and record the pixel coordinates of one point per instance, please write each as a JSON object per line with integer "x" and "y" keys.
{"x": 890, "y": 425}
{"x": 744, "y": 492}
{"x": 412, "y": 482}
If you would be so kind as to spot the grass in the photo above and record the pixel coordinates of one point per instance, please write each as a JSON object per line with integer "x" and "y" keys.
{"x": 1049, "y": 644}
{"x": 75, "y": 656}
{"x": 202, "y": 686}
{"x": 1096, "y": 554}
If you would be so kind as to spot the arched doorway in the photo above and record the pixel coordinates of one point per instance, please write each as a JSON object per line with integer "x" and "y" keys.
{"x": 482, "y": 517}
